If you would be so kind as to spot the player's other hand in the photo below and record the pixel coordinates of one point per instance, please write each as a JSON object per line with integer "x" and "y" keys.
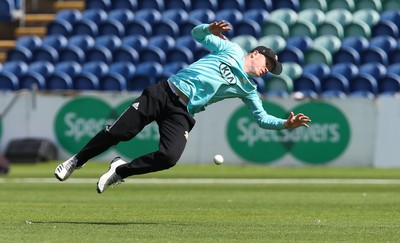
{"x": 217, "y": 27}
{"x": 299, "y": 120}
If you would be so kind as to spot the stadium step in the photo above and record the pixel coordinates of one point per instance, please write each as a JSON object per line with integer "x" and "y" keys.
{"x": 38, "y": 20}
{"x": 22, "y": 31}
{"x": 60, "y": 5}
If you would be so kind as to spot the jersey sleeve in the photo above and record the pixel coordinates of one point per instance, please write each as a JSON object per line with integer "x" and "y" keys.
{"x": 202, "y": 34}
{"x": 264, "y": 120}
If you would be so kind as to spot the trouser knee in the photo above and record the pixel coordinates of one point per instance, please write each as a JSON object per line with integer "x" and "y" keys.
{"x": 168, "y": 159}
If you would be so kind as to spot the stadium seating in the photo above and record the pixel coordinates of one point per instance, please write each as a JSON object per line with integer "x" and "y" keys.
{"x": 335, "y": 41}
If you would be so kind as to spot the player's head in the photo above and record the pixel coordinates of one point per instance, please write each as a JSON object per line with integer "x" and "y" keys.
{"x": 263, "y": 57}
{"x": 273, "y": 65}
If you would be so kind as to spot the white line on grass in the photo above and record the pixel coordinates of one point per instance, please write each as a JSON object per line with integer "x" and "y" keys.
{"x": 208, "y": 181}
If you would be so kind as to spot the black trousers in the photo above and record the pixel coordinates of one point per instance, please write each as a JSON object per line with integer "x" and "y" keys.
{"x": 156, "y": 103}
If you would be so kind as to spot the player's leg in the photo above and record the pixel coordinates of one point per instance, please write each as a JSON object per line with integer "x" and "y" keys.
{"x": 143, "y": 110}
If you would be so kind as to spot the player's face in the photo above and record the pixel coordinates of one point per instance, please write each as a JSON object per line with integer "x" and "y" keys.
{"x": 260, "y": 65}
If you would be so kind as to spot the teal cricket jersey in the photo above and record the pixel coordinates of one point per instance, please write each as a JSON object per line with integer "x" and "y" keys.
{"x": 220, "y": 75}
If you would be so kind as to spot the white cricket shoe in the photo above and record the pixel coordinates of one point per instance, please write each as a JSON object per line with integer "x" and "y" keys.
{"x": 65, "y": 169}
{"x": 110, "y": 177}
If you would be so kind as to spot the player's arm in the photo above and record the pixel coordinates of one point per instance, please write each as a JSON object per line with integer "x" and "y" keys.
{"x": 210, "y": 35}
{"x": 267, "y": 121}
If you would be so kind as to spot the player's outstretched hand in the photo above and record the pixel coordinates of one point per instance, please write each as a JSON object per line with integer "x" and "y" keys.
{"x": 299, "y": 120}
{"x": 217, "y": 27}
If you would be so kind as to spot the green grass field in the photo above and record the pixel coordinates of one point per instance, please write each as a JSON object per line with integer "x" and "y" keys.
{"x": 139, "y": 211}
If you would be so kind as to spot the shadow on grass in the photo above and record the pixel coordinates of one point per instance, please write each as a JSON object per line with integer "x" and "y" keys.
{"x": 102, "y": 223}
{"x": 95, "y": 223}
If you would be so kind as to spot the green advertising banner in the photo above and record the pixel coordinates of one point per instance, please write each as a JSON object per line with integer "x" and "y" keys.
{"x": 326, "y": 139}
{"x": 80, "y": 119}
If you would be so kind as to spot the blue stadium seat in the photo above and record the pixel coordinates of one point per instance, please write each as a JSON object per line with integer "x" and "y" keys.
{"x": 179, "y": 54}
{"x": 164, "y": 42}
{"x": 29, "y": 41}
{"x": 6, "y": 9}
{"x": 202, "y": 15}
{"x": 358, "y": 43}
{"x": 319, "y": 70}
{"x": 364, "y": 84}
{"x": 346, "y": 55}
{"x": 55, "y": 41}
{"x": 151, "y": 16}
{"x": 261, "y": 4}
{"x": 177, "y": 15}
{"x": 19, "y": 53}
{"x": 126, "y": 54}
{"x": 116, "y": 78}
{"x": 205, "y": 4}
{"x": 111, "y": 42}
{"x": 374, "y": 54}
{"x": 84, "y": 42}
{"x": 385, "y": 28}
{"x": 394, "y": 56}
{"x": 85, "y": 27}
{"x": 247, "y": 27}
{"x": 259, "y": 15}
{"x": 389, "y": 84}
{"x": 300, "y": 42}
{"x": 125, "y": 4}
{"x": 152, "y": 54}
{"x": 18, "y": 68}
{"x": 8, "y": 81}
{"x": 72, "y": 53}
{"x": 98, "y": 4}
{"x": 232, "y": 4}
{"x": 394, "y": 68}
{"x": 95, "y": 15}
{"x": 59, "y": 81}
{"x": 229, "y": 15}
{"x": 289, "y": 4}
{"x": 139, "y": 27}
{"x": 69, "y": 15}
{"x": 291, "y": 54}
{"x": 391, "y": 15}
{"x": 151, "y": 4}
{"x": 335, "y": 82}
{"x": 45, "y": 53}
{"x": 186, "y": 27}
{"x": 88, "y": 79}
{"x": 173, "y": 67}
{"x": 178, "y": 4}
{"x": 61, "y": 78}
{"x": 36, "y": 75}
{"x": 386, "y": 43}
{"x": 99, "y": 53}
{"x": 124, "y": 16}
{"x": 59, "y": 27}
{"x": 376, "y": 70}
{"x": 111, "y": 27}
{"x": 259, "y": 81}
{"x": 166, "y": 27}
{"x": 307, "y": 84}
{"x": 348, "y": 70}
{"x": 137, "y": 41}
{"x": 188, "y": 42}
{"x": 146, "y": 74}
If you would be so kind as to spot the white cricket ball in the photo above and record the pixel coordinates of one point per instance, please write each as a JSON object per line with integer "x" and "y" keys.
{"x": 218, "y": 159}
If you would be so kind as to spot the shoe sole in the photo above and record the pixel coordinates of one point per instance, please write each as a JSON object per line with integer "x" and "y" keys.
{"x": 111, "y": 165}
